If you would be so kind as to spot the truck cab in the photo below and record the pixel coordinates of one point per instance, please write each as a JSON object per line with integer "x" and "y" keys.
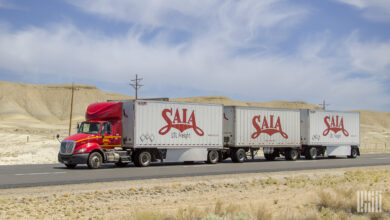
{"x": 98, "y": 139}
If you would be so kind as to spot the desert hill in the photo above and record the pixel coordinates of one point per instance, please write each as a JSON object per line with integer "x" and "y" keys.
{"x": 48, "y": 103}
{"x": 32, "y": 105}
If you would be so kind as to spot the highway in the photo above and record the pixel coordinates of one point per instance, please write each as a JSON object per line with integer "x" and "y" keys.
{"x": 16, "y": 176}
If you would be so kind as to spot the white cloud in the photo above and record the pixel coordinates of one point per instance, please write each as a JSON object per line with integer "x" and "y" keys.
{"x": 309, "y": 75}
{"x": 324, "y": 67}
{"x": 236, "y": 22}
{"x": 377, "y": 10}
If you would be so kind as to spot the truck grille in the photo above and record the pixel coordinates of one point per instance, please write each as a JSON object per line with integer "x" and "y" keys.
{"x": 67, "y": 147}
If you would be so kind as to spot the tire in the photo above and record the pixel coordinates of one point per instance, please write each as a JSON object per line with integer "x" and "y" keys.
{"x": 354, "y": 153}
{"x": 143, "y": 159}
{"x": 212, "y": 157}
{"x": 291, "y": 154}
{"x": 269, "y": 157}
{"x": 70, "y": 166}
{"x": 238, "y": 155}
{"x": 95, "y": 160}
{"x": 311, "y": 153}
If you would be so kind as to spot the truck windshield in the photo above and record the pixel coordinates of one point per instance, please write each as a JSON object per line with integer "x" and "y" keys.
{"x": 89, "y": 128}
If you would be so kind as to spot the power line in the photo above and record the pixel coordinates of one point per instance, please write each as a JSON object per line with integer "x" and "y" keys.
{"x": 136, "y": 85}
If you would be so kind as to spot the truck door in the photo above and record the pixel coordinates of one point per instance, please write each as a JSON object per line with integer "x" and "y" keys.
{"x": 107, "y": 135}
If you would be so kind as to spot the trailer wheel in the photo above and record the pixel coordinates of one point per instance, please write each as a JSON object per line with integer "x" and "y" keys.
{"x": 70, "y": 166}
{"x": 212, "y": 157}
{"x": 95, "y": 160}
{"x": 291, "y": 154}
{"x": 311, "y": 153}
{"x": 142, "y": 159}
{"x": 354, "y": 152}
{"x": 269, "y": 157}
{"x": 238, "y": 155}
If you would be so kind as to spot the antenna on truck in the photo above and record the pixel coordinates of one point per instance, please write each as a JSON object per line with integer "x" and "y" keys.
{"x": 136, "y": 85}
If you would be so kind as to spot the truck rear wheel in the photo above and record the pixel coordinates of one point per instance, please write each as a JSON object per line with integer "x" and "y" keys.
{"x": 291, "y": 154}
{"x": 269, "y": 157}
{"x": 238, "y": 155}
{"x": 311, "y": 153}
{"x": 354, "y": 152}
{"x": 212, "y": 157}
{"x": 95, "y": 160}
{"x": 142, "y": 159}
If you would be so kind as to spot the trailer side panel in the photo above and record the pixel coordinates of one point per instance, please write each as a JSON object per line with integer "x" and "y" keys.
{"x": 171, "y": 125}
{"x": 263, "y": 127}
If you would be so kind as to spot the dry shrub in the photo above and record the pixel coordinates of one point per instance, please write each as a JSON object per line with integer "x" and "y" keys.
{"x": 191, "y": 213}
{"x": 150, "y": 215}
{"x": 337, "y": 200}
{"x": 263, "y": 212}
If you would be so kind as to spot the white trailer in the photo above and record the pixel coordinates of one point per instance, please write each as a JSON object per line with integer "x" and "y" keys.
{"x": 334, "y": 132}
{"x": 246, "y": 129}
{"x": 173, "y": 131}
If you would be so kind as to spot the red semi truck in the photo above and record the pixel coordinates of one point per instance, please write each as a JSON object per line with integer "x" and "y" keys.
{"x": 145, "y": 131}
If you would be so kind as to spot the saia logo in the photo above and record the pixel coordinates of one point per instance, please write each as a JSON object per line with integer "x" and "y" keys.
{"x": 268, "y": 128}
{"x": 180, "y": 121}
{"x": 334, "y": 124}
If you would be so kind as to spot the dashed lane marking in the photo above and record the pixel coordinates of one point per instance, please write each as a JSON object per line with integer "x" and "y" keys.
{"x": 31, "y": 174}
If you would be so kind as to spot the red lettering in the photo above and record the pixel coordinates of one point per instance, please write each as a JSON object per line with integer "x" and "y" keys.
{"x": 270, "y": 130}
{"x": 180, "y": 124}
{"x": 337, "y": 126}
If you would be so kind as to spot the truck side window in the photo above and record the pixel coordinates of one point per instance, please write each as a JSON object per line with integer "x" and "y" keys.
{"x": 106, "y": 128}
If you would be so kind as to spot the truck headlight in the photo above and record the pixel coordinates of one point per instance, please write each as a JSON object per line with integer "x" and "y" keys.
{"x": 81, "y": 150}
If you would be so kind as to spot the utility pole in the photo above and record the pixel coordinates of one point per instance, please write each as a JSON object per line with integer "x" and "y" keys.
{"x": 136, "y": 85}
{"x": 324, "y": 104}
{"x": 71, "y": 110}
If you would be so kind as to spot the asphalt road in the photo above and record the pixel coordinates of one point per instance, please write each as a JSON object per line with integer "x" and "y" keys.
{"x": 56, "y": 174}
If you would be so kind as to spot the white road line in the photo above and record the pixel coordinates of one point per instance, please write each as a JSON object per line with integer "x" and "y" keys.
{"x": 30, "y": 174}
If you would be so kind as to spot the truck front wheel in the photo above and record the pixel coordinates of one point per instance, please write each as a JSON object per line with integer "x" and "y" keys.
{"x": 142, "y": 159}
{"x": 95, "y": 160}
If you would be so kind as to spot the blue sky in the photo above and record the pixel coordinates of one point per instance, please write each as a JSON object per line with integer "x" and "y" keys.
{"x": 249, "y": 50}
